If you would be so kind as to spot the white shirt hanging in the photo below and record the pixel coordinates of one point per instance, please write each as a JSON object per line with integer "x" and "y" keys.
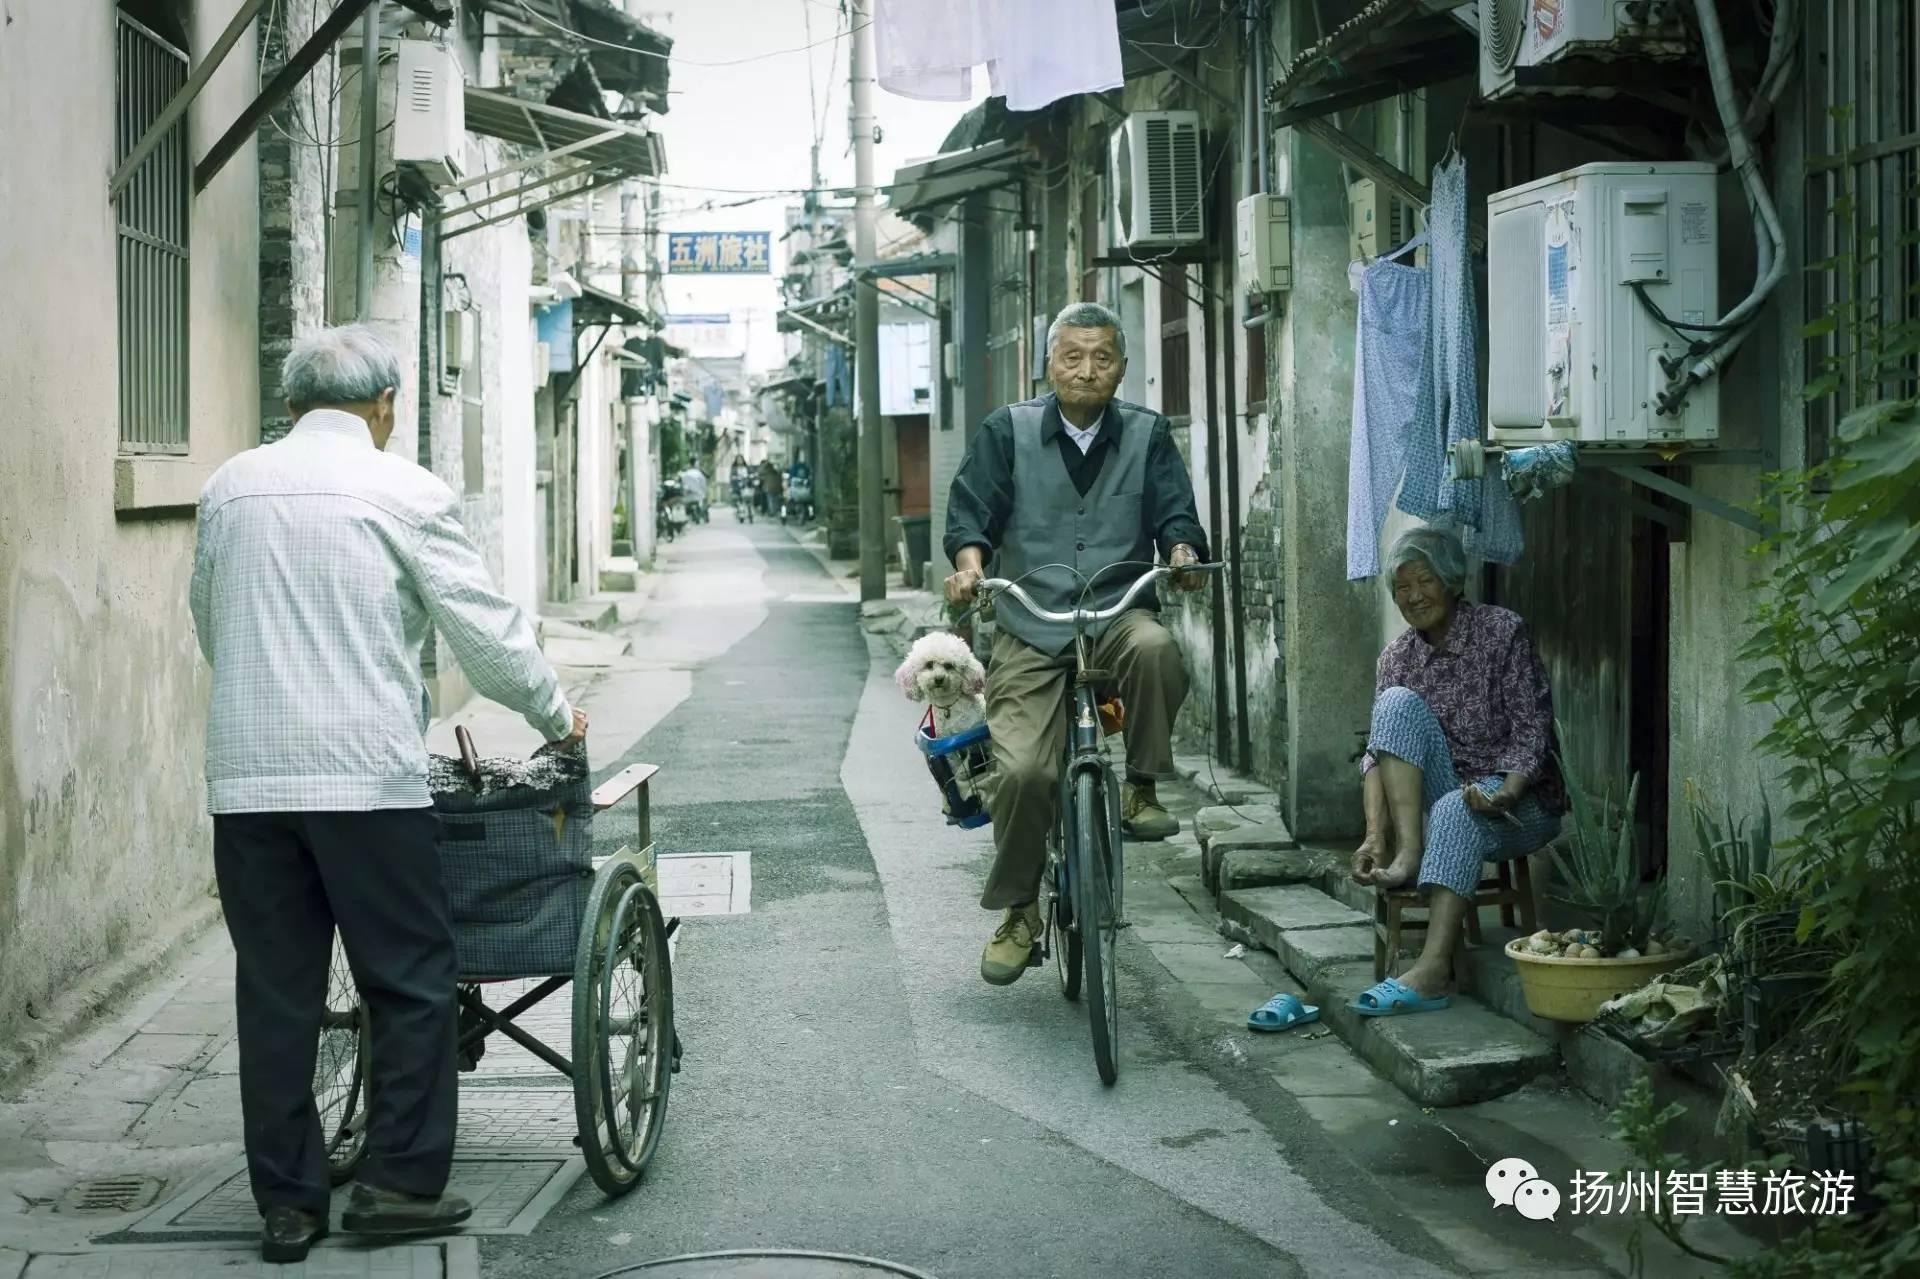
{"x": 927, "y": 49}
{"x": 1036, "y": 54}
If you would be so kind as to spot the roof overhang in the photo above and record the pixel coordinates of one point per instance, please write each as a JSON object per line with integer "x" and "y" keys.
{"x": 596, "y": 306}
{"x": 580, "y": 153}
{"x": 1387, "y": 48}
{"x": 627, "y": 56}
{"x": 942, "y": 179}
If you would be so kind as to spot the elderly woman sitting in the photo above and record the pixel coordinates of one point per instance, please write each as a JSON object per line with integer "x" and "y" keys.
{"x": 1460, "y": 766}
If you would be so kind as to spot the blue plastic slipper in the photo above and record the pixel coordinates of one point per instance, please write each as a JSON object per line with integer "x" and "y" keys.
{"x": 1392, "y": 998}
{"x": 1282, "y": 1012}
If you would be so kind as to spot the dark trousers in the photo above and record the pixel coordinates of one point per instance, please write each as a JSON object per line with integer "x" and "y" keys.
{"x": 286, "y": 881}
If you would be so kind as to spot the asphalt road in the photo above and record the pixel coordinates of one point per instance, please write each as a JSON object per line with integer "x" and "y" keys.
{"x": 850, "y": 1083}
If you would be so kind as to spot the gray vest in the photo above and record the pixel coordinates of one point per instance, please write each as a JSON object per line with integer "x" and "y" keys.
{"x": 1052, "y": 524}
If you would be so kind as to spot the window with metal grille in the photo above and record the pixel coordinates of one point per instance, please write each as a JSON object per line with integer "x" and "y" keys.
{"x": 1175, "y": 366}
{"x": 1862, "y": 130}
{"x": 153, "y": 214}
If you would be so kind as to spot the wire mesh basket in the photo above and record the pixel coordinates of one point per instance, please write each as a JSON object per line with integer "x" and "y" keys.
{"x": 962, "y": 766}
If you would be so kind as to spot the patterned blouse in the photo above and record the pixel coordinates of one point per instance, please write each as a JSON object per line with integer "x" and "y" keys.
{"x": 1488, "y": 688}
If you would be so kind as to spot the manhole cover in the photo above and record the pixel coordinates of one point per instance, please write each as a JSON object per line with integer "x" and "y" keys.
{"x": 110, "y": 1194}
{"x": 768, "y": 1264}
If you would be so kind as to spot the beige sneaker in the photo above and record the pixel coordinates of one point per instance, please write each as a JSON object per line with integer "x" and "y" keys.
{"x": 1011, "y": 951}
{"x": 1141, "y": 814}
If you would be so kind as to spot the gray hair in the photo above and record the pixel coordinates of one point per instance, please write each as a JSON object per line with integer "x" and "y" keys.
{"x": 1439, "y": 548}
{"x": 351, "y": 364}
{"x": 1087, "y": 315}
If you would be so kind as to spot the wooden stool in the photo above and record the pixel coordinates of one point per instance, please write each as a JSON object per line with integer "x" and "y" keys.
{"x": 1510, "y": 887}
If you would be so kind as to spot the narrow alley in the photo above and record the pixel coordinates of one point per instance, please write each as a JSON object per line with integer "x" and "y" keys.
{"x": 849, "y": 1084}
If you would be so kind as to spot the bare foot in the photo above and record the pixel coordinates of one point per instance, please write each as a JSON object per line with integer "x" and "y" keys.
{"x": 1397, "y": 875}
{"x": 1367, "y": 859}
{"x": 1427, "y": 983}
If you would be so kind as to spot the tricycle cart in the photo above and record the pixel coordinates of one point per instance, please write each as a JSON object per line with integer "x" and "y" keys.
{"x": 624, "y": 1050}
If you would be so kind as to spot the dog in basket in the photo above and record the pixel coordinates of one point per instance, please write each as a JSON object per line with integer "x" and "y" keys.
{"x": 942, "y": 671}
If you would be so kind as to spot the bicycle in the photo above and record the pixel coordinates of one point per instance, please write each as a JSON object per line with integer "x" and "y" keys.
{"x": 1083, "y": 880}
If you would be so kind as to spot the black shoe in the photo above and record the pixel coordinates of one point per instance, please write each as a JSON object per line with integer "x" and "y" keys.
{"x": 288, "y": 1233}
{"x": 374, "y": 1211}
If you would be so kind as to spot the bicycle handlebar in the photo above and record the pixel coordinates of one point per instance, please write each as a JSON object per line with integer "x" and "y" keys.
{"x": 992, "y": 585}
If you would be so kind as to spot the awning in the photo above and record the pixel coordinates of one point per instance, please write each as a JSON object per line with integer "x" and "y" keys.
{"x": 946, "y": 178}
{"x": 627, "y": 56}
{"x": 581, "y": 152}
{"x": 1387, "y": 48}
{"x": 596, "y": 306}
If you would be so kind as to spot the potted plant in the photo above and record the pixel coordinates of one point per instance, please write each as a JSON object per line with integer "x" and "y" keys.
{"x": 1567, "y": 976}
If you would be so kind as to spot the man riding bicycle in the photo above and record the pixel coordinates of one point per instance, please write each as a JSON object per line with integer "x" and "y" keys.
{"x": 1072, "y": 478}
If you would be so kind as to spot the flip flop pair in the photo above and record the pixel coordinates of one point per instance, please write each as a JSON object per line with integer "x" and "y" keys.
{"x": 1394, "y": 998}
{"x": 1282, "y": 1012}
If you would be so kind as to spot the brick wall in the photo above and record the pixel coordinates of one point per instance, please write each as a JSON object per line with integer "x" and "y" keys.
{"x": 293, "y": 211}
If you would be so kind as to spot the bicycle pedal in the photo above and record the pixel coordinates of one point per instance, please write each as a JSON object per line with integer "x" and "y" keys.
{"x": 1035, "y": 959}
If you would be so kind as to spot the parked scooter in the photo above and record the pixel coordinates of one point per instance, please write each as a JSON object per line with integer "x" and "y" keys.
{"x": 670, "y": 511}
{"x": 799, "y": 502}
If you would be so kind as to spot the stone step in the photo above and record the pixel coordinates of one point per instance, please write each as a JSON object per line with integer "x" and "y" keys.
{"x": 1463, "y": 1054}
{"x": 593, "y": 613}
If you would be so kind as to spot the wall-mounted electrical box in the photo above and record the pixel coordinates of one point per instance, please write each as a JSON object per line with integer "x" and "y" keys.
{"x": 430, "y": 118}
{"x": 1264, "y": 226}
{"x": 1581, "y": 267}
{"x": 457, "y": 333}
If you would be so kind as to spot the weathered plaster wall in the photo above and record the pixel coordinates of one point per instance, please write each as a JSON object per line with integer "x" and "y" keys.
{"x": 103, "y": 836}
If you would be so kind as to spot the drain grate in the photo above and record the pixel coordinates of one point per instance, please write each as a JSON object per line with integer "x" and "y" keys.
{"x": 110, "y": 1194}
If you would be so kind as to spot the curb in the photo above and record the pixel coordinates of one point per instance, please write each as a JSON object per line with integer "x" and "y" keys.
{"x": 89, "y": 1000}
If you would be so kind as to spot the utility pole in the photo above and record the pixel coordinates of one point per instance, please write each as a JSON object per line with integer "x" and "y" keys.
{"x": 873, "y": 543}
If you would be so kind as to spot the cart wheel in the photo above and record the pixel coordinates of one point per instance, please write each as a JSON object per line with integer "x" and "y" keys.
{"x": 623, "y": 1040}
{"x": 340, "y": 1071}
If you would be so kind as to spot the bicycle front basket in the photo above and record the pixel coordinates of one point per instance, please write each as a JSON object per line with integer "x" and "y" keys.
{"x": 962, "y": 766}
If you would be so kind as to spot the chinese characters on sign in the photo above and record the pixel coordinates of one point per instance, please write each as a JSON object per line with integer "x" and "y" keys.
{"x": 719, "y": 252}
{"x": 1736, "y": 1193}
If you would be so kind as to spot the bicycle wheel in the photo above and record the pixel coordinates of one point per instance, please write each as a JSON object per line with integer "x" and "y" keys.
{"x": 1092, "y": 851}
{"x": 1063, "y": 939}
{"x": 340, "y": 1071}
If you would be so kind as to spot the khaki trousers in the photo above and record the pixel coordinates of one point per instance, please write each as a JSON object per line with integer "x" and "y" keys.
{"x": 1027, "y": 716}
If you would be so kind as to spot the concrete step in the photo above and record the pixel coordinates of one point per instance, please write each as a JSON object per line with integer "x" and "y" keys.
{"x": 622, "y": 573}
{"x": 593, "y": 613}
{"x": 1464, "y": 1054}
{"x": 1255, "y": 855}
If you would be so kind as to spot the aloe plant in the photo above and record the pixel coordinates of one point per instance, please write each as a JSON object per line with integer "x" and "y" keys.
{"x": 1741, "y": 862}
{"x": 1601, "y": 869}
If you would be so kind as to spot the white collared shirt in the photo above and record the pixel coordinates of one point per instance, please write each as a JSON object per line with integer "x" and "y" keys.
{"x": 320, "y": 566}
{"x": 1080, "y": 436}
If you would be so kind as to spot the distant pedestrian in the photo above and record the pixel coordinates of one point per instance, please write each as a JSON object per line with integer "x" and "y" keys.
{"x": 770, "y": 487}
{"x": 693, "y": 487}
{"x": 320, "y": 564}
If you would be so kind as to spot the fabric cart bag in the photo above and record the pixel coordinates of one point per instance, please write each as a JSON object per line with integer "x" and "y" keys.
{"x": 517, "y": 848}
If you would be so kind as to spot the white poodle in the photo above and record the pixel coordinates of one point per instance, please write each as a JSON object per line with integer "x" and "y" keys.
{"x": 942, "y": 671}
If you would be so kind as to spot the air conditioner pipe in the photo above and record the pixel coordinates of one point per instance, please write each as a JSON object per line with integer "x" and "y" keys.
{"x": 1773, "y": 79}
{"x": 1767, "y": 232}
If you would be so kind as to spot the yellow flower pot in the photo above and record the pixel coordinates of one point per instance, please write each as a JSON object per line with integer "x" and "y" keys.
{"x": 1573, "y": 989}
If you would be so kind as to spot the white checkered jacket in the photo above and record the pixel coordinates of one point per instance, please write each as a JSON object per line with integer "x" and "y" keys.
{"x": 319, "y": 566}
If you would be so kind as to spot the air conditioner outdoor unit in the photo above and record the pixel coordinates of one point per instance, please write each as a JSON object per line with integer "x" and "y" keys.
{"x": 1517, "y": 34}
{"x": 1158, "y": 190}
{"x": 1575, "y": 351}
{"x": 429, "y": 123}
{"x": 1378, "y": 222}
